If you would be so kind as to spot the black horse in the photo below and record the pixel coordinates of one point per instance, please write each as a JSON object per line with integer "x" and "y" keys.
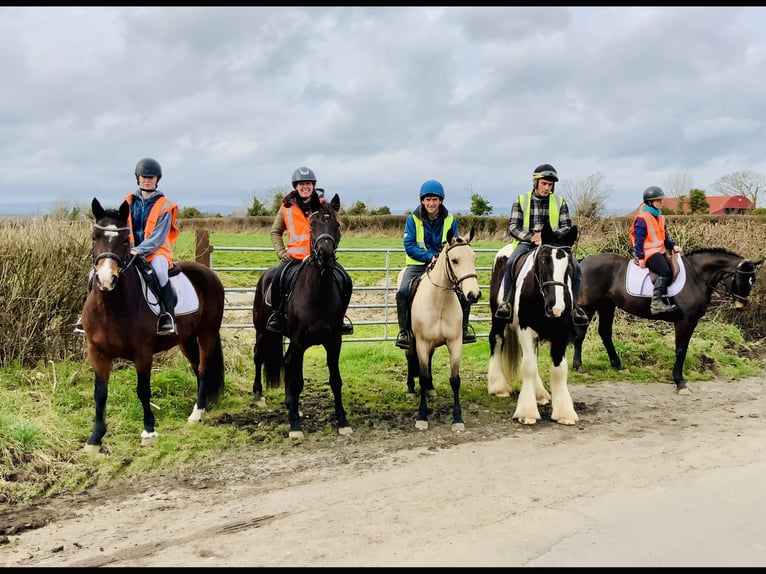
{"x": 703, "y": 271}
{"x": 542, "y": 311}
{"x": 315, "y": 311}
{"x": 120, "y": 321}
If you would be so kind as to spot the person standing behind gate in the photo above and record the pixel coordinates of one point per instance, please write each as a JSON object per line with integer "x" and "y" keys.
{"x": 651, "y": 241}
{"x": 529, "y": 213}
{"x": 293, "y": 219}
{"x": 424, "y": 233}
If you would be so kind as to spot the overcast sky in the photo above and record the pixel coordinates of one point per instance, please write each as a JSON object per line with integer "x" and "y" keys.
{"x": 376, "y": 100}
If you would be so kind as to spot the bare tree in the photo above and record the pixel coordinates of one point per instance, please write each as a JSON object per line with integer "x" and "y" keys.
{"x": 588, "y": 197}
{"x": 679, "y": 184}
{"x": 748, "y": 183}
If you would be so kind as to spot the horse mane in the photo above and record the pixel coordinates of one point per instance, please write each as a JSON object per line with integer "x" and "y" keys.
{"x": 112, "y": 213}
{"x": 714, "y": 250}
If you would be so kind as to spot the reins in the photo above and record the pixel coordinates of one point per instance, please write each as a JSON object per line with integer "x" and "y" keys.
{"x": 123, "y": 265}
{"x": 544, "y": 284}
{"x": 715, "y": 287}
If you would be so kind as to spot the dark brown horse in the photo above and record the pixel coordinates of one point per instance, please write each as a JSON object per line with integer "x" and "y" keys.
{"x": 119, "y": 322}
{"x": 315, "y": 311}
{"x": 705, "y": 270}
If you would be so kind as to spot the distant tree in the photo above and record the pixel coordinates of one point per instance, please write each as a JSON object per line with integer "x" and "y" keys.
{"x": 257, "y": 208}
{"x": 67, "y": 210}
{"x": 479, "y": 205}
{"x": 588, "y": 197}
{"x": 277, "y": 194}
{"x": 698, "y": 202}
{"x": 748, "y": 183}
{"x": 677, "y": 185}
{"x": 189, "y": 213}
{"x": 359, "y": 208}
{"x": 384, "y": 210}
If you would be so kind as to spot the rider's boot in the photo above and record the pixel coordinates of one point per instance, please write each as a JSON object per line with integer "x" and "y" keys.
{"x": 469, "y": 334}
{"x": 78, "y": 328}
{"x": 658, "y": 302}
{"x": 403, "y": 338}
{"x": 166, "y": 325}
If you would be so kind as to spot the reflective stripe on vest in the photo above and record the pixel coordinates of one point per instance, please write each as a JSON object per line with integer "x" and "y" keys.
{"x": 298, "y": 232}
{"x": 420, "y": 236}
{"x": 554, "y": 206}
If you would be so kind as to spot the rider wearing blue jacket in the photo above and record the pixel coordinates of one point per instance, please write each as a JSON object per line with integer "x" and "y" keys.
{"x": 425, "y": 231}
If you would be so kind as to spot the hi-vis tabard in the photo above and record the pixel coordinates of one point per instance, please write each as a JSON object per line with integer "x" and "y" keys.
{"x": 554, "y": 206}
{"x": 420, "y": 236}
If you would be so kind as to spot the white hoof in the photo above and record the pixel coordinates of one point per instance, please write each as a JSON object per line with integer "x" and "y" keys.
{"x": 345, "y": 430}
{"x": 148, "y": 439}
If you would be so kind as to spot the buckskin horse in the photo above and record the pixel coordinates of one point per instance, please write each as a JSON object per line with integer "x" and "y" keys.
{"x": 436, "y": 317}
{"x": 542, "y": 311}
{"x": 315, "y": 311}
{"x": 120, "y": 321}
{"x": 702, "y": 272}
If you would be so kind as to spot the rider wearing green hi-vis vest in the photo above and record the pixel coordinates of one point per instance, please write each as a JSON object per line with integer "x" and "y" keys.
{"x": 529, "y": 213}
{"x": 424, "y": 233}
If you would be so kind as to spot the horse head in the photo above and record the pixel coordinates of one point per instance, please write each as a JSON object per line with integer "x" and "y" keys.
{"x": 460, "y": 265}
{"x": 111, "y": 243}
{"x": 553, "y": 266}
{"x": 742, "y": 281}
{"x": 324, "y": 231}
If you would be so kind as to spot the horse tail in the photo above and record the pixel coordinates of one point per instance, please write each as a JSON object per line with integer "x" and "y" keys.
{"x": 214, "y": 372}
{"x": 271, "y": 351}
{"x": 511, "y": 354}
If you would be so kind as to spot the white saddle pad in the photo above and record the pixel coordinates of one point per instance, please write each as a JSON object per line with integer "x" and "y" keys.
{"x": 638, "y": 283}
{"x": 188, "y": 302}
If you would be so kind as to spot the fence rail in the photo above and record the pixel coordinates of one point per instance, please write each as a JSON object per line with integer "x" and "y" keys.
{"x": 373, "y": 307}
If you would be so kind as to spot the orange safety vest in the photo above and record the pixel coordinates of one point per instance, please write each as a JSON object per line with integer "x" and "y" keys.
{"x": 298, "y": 231}
{"x": 161, "y": 206}
{"x": 655, "y": 233}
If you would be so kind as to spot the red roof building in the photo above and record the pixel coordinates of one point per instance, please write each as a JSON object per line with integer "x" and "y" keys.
{"x": 719, "y": 205}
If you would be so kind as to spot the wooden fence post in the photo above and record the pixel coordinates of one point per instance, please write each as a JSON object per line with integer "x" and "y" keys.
{"x": 202, "y": 248}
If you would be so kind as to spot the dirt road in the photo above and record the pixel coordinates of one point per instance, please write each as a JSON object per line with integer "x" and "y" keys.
{"x": 647, "y": 478}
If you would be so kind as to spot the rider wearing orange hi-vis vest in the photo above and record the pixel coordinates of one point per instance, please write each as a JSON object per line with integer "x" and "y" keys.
{"x": 651, "y": 241}
{"x": 293, "y": 219}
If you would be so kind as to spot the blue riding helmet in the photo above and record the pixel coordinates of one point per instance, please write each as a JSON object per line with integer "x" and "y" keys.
{"x": 432, "y": 187}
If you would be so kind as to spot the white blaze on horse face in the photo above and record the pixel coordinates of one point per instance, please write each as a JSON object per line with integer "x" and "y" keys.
{"x": 107, "y": 269}
{"x": 560, "y": 266}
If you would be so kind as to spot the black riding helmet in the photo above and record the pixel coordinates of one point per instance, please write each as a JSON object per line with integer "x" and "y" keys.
{"x": 545, "y": 171}
{"x": 149, "y": 167}
{"x": 304, "y": 174}
{"x": 653, "y": 192}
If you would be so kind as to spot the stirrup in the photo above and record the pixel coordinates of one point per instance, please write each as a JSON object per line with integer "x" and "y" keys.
{"x": 403, "y": 340}
{"x": 347, "y": 328}
{"x": 78, "y": 328}
{"x": 165, "y": 328}
{"x": 469, "y": 335}
{"x": 275, "y": 324}
{"x": 504, "y": 312}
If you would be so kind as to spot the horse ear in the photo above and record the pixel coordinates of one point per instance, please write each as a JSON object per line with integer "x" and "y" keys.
{"x": 471, "y": 234}
{"x": 572, "y": 234}
{"x": 757, "y": 263}
{"x": 335, "y": 202}
{"x": 95, "y": 207}
{"x": 450, "y": 235}
{"x": 124, "y": 210}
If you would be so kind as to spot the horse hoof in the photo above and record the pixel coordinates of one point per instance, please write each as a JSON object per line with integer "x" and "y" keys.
{"x": 149, "y": 438}
{"x": 295, "y": 434}
{"x": 91, "y": 448}
{"x": 458, "y": 427}
{"x": 261, "y": 403}
{"x": 528, "y": 421}
{"x": 683, "y": 391}
{"x": 421, "y": 425}
{"x": 345, "y": 430}
{"x": 568, "y": 422}
{"x": 501, "y": 394}
{"x": 431, "y": 393}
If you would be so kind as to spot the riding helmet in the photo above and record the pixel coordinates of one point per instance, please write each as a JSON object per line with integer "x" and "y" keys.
{"x": 546, "y": 171}
{"x": 149, "y": 167}
{"x": 653, "y": 192}
{"x": 432, "y": 187}
{"x": 304, "y": 174}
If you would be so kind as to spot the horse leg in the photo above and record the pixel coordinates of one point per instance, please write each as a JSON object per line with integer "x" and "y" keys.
{"x": 605, "y": 323}
{"x": 205, "y": 355}
{"x": 144, "y": 391}
{"x": 497, "y": 384}
{"x": 293, "y": 388}
{"x": 562, "y": 410}
{"x": 102, "y": 367}
{"x": 526, "y": 407}
{"x": 190, "y": 348}
{"x": 336, "y": 384}
{"x": 579, "y": 338}
{"x": 684, "y": 329}
{"x": 413, "y": 370}
{"x": 455, "y": 356}
{"x": 426, "y": 383}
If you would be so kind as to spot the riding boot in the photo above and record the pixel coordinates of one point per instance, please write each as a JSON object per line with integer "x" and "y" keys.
{"x": 402, "y": 313}
{"x": 579, "y": 317}
{"x": 276, "y": 321}
{"x": 469, "y": 334}
{"x": 166, "y": 325}
{"x": 658, "y": 302}
{"x": 504, "y": 311}
{"x": 78, "y": 328}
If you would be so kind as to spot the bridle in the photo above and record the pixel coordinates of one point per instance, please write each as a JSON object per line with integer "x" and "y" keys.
{"x": 454, "y": 281}
{"x": 122, "y": 263}
{"x": 543, "y": 284}
{"x": 322, "y": 237}
{"x": 733, "y": 274}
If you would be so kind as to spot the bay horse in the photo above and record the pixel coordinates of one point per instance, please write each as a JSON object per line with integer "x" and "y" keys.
{"x": 120, "y": 321}
{"x": 542, "y": 311}
{"x": 315, "y": 311}
{"x": 436, "y": 318}
{"x": 702, "y": 272}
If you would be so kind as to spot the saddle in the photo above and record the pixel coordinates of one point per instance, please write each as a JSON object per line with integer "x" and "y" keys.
{"x": 290, "y": 274}
{"x": 640, "y": 282}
